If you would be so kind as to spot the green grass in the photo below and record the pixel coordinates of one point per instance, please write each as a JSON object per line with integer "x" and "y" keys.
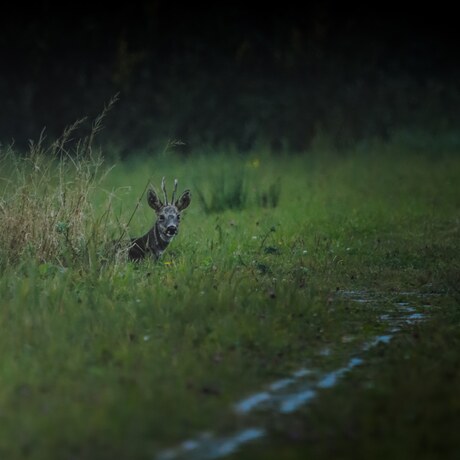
{"x": 101, "y": 358}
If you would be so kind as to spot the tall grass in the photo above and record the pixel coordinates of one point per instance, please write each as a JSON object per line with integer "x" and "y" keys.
{"x": 45, "y": 198}
{"x": 233, "y": 184}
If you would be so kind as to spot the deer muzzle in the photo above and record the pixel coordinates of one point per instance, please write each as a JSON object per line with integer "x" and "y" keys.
{"x": 171, "y": 230}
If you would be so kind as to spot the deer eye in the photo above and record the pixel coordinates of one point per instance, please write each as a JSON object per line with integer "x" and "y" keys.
{"x": 162, "y": 217}
{"x": 178, "y": 217}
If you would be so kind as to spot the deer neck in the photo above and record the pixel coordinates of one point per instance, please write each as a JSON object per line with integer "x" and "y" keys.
{"x": 155, "y": 242}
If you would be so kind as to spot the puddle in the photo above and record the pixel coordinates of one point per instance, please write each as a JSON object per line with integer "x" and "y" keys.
{"x": 207, "y": 446}
{"x": 289, "y": 394}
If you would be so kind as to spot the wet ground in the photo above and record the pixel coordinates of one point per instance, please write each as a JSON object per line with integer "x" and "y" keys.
{"x": 287, "y": 395}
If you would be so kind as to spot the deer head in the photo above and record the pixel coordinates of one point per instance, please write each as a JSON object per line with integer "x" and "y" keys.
{"x": 168, "y": 213}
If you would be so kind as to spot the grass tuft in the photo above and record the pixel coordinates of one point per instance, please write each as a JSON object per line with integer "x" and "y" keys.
{"x": 45, "y": 199}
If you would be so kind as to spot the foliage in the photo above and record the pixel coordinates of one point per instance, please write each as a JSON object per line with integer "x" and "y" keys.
{"x": 280, "y": 77}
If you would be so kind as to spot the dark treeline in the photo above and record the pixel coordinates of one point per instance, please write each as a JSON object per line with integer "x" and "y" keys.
{"x": 224, "y": 74}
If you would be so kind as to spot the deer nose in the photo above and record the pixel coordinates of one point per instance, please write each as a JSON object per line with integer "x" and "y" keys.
{"x": 171, "y": 230}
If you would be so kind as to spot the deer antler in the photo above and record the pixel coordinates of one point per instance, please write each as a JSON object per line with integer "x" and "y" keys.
{"x": 174, "y": 191}
{"x": 163, "y": 187}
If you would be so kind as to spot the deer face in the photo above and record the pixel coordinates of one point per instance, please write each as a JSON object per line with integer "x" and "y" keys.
{"x": 168, "y": 219}
{"x": 168, "y": 214}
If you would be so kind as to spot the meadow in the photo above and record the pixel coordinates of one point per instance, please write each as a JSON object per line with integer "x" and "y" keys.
{"x": 282, "y": 262}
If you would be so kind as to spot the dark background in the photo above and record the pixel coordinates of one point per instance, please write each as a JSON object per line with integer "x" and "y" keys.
{"x": 280, "y": 75}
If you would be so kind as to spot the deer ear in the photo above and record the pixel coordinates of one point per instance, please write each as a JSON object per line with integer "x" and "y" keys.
{"x": 153, "y": 200}
{"x": 184, "y": 200}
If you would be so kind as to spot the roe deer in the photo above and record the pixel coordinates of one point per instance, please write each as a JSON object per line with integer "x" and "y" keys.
{"x": 157, "y": 239}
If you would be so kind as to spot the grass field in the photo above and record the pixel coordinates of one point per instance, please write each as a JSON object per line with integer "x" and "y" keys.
{"x": 101, "y": 358}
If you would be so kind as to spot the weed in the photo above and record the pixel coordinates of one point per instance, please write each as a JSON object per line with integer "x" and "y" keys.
{"x": 227, "y": 190}
{"x": 269, "y": 198}
{"x": 46, "y": 207}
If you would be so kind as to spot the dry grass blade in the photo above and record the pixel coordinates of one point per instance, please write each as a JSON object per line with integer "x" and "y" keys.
{"x": 45, "y": 197}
